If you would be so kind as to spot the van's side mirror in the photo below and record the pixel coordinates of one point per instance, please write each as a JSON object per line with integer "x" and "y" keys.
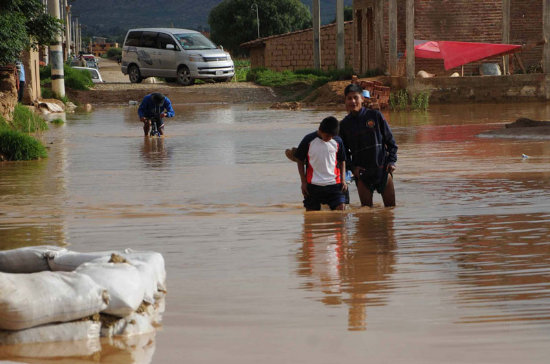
{"x": 170, "y": 46}
{"x": 220, "y": 47}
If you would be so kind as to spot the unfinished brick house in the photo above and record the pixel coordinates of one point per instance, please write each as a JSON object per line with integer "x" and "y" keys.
{"x": 438, "y": 20}
{"x": 292, "y": 51}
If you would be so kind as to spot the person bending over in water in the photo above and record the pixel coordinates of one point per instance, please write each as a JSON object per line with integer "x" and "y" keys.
{"x": 153, "y": 108}
{"x": 370, "y": 147}
{"x": 323, "y": 177}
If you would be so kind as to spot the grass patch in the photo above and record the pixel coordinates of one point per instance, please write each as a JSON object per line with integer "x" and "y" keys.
{"x": 74, "y": 78}
{"x": 401, "y": 100}
{"x": 57, "y": 121}
{"x": 18, "y": 146}
{"x": 27, "y": 121}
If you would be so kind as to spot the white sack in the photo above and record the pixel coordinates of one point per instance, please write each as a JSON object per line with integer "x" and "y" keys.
{"x": 69, "y": 331}
{"x": 134, "y": 324}
{"x": 68, "y": 261}
{"x": 30, "y": 259}
{"x": 122, "y": 281}
{"x": 28, "y": 300}
{"x": 153, "y": 259}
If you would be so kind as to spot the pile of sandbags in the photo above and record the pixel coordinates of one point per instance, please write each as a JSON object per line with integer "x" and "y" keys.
{"x": 52, "y": 294}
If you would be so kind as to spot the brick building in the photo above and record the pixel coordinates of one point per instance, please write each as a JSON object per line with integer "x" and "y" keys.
{"x": 101, "y": 46}
{"x": 457, "y": 20}
{"x": 367, "y": 44}
{"x": 292, "y": 51}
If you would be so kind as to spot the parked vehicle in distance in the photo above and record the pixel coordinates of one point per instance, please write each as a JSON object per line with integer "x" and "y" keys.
{"x": 94, "y": 72}
{"x": 176, "y": 54}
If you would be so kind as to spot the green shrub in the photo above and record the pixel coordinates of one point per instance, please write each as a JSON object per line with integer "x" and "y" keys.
{"x": 242, "y": 68}
{"x": 57, "y": 121}
{"x": 113, "y": 53}
{"x": 401, "y": 100}
{"x": 27, "y": 121}
{"x": 74, "y": 78}
{"x": 17, "y": 146}
{"x": 46, "y": 93}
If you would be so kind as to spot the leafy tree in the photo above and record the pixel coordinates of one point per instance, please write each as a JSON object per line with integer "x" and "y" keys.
{"x": 24, "y": 24}
{"x": 233, "y": 22}
{"x": 348, "y": 14}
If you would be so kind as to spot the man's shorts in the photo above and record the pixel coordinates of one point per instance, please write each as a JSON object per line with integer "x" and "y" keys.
{"x": 376, "y": 180}
{"x": 330, "y": 195}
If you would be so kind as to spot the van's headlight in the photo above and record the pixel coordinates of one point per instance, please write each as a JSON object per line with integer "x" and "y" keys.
{"x": 196, "y": 58}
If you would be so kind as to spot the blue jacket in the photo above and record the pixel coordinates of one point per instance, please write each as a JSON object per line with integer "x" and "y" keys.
{"x": 368, "y": 140}
{"x": 149, "y": 109}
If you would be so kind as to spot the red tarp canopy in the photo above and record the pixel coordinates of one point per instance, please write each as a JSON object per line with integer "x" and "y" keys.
{"x": 456, "y": 54}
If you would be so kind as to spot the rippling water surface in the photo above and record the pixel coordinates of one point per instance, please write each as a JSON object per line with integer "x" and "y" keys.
{"x": 458, "y": 272}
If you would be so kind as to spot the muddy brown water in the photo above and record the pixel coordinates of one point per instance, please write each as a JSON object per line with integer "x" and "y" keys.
{"x": 458, "y": 272}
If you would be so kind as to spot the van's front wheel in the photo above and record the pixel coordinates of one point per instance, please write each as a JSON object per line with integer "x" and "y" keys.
{"x": 184, "y": 76}
{"x": 134, "y": 74}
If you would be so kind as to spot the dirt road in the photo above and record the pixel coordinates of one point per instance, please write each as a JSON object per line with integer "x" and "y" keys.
{"x": 117, "y": 89}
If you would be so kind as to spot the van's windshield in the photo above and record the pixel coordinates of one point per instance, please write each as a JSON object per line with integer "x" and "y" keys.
{"x": 194, "y": 41}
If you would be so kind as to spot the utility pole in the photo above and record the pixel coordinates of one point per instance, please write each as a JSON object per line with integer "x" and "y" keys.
{"x": 340, "y": 55}
{"x": 56, "y": 54}
{"x": 76, "y": 40}
{"x": 254, "y": 5}
{"x": 316, "y": 9}
{"x": 67, "y": 30}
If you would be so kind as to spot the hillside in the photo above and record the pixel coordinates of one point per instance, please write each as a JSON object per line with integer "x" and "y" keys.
{"x": 112, "y": 18}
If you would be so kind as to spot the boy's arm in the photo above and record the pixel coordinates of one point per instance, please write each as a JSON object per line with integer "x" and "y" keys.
{"x": 303, "y": 179}
{"x": 343, "y": 175}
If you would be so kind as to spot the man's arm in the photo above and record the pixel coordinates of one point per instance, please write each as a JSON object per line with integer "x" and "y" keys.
{"x": 168, "y": 106}
{"x": 303, "y": 179}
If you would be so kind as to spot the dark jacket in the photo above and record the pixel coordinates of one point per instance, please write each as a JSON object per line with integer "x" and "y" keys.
{"x": 149, "y": 109}
{"x": 368, "y": 140}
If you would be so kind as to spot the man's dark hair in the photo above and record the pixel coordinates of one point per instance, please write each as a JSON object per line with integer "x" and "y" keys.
{"x": 329, "y": 125}
{"x": 352, "y": 87}
{"x": 158, "y": 98}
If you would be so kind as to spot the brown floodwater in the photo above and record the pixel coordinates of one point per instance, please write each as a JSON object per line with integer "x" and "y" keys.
{"x": 458, "y": 272}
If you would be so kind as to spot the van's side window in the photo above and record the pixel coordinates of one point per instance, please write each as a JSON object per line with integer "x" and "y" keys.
{"x": 133, "y": 39}
{"x": 149, "y": 40}
{"x": 165, "y": 39}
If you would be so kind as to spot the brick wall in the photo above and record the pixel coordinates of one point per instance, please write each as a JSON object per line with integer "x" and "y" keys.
{"x": 473, "y": 21}
{"x": 294, "y": 50}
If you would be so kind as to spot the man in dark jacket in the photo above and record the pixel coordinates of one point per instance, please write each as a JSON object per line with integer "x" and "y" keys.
{"x": 153, "y": 109}
{"x": 370, "y": 148}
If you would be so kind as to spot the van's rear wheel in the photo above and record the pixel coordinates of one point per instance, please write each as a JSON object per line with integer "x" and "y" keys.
{"x": 134, "y": 74}
{"x": 184, "y": 76}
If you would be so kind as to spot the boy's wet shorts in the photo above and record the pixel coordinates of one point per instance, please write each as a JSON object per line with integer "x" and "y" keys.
{"x": 158, "y": 121}
{"x": 330, "y": 195}
{"x": 375, "y": 182}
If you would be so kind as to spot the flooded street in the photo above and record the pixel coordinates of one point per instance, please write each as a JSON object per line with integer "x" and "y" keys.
{"x": 458, "y": 272}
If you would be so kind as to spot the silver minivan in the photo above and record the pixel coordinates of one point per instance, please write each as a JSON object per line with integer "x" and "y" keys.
{"x": 180, "y": 55}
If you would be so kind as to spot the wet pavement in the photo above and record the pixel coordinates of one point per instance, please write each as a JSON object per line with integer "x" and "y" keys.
{"x": 458, "y": 272}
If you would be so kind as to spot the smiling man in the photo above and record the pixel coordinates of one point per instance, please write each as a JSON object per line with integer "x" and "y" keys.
{"x": 370, "y": 147}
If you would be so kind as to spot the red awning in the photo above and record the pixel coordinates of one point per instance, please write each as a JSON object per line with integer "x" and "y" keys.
{"x": 455, "y": 54}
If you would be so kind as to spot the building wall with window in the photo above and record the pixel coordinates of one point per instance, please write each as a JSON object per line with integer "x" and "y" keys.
{"x": 101, "y": 48}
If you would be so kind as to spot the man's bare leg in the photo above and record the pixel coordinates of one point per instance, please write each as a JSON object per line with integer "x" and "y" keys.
{"x": 365, "y": 194}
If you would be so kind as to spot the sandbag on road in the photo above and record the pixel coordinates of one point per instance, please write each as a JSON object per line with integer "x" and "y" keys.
{"x": 29, "y": 300}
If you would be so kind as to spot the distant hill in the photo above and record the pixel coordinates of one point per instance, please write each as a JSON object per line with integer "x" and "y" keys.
{"x": 112, "y": 18}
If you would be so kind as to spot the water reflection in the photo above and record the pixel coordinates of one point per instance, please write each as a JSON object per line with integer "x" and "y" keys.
{"x": 153, "y": 152}
{"x": 349, "y": 258}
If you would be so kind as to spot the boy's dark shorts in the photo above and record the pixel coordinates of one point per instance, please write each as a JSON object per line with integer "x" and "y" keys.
{"x": 157, "y": 121}
{"x": 375, "y": 181}
{"x": 330, "y": 195}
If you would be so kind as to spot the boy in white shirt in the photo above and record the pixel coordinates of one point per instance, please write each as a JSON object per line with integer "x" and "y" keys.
{"x": 321, "y": 159}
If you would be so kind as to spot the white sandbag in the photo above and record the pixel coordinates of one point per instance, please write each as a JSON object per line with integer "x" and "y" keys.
{"x": 148, "y": 280}
{"x": 138, "y": 349}
{"x": 68, "y": 261}
{"x": 122, "y": 281}
{"x": 69, "y": 331}
{"x": 153, "y": 259}
{"x": 28, "y": 300}
{"x": 134, "y": 324}
{"x": 30, "y": 259}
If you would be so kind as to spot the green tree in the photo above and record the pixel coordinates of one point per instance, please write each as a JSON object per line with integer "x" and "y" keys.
{"x": 348, "y": 14}
{"x": 233, "y": 22}
{"x": 24, "y": 24}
